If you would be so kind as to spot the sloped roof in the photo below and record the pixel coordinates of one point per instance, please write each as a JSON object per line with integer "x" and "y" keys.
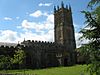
{"x": 8, "y": 44}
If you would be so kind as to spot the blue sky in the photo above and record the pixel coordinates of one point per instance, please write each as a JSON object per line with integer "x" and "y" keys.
{"x": 33, "y": 19}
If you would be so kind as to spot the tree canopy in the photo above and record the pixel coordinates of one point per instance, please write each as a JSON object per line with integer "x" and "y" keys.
{"x": 92, "y": 32}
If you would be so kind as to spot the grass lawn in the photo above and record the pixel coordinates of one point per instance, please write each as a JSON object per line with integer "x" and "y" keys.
{"x": 73, "y": 70}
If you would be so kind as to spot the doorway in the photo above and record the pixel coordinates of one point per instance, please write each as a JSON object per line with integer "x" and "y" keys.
{"x": 66, "y": 62}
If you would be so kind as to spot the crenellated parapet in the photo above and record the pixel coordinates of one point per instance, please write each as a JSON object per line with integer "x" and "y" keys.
{"x": 8, "y": 46}
{"x": 32, "y": 42}
{"x": 7, "y": 50}
{"x": 62, "y": 7}
{"x": 41, "y": 44}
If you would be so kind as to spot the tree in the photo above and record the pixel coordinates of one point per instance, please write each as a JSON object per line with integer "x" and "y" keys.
{"x": 92, "y": 33}
{"x": 5, "y": 62}
{"x": 18, "y": 58}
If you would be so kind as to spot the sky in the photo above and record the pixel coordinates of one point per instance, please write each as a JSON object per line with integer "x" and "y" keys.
{"x": 34, "y": 20}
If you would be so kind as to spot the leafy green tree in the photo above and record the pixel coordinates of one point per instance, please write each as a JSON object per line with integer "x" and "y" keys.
{"x": 5, "y": 62}
{"x": 92, "y": 33}
{"x": 19, "y": 58}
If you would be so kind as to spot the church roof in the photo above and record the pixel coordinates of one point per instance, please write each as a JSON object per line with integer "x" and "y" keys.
{"x": 8, "y": 44}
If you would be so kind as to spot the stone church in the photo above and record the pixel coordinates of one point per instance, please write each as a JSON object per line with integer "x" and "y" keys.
{"x": 61, "y": 52}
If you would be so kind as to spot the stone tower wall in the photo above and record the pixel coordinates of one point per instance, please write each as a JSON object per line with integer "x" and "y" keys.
{"x": 64, "y": 30}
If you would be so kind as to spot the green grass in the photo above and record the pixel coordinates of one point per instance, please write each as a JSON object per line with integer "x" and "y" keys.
{"x": 73, "y": 70}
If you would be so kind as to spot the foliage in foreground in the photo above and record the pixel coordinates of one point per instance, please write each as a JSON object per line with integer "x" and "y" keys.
{"x": 8, "y": 62}
{"x": 92, "y": 33}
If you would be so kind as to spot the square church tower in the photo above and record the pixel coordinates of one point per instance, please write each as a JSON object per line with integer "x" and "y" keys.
{"x": 64, "y": 29}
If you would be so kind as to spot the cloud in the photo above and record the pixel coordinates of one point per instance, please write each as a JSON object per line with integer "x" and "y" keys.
{"x": 50, "y": 18}
{"x": 7, "y": 18}
{"x": 26, "y": 25}
{"x": 13, "y": 37}
{"x": 78, "y": 42}
{"x": 45, "y": 4}
{"x": 17, "y": 17}
{"x": 37, "y": 13}
{"x": 8, "y": 36}
{"x": 38, "y": 26}
{"x": 29, "y": 35}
